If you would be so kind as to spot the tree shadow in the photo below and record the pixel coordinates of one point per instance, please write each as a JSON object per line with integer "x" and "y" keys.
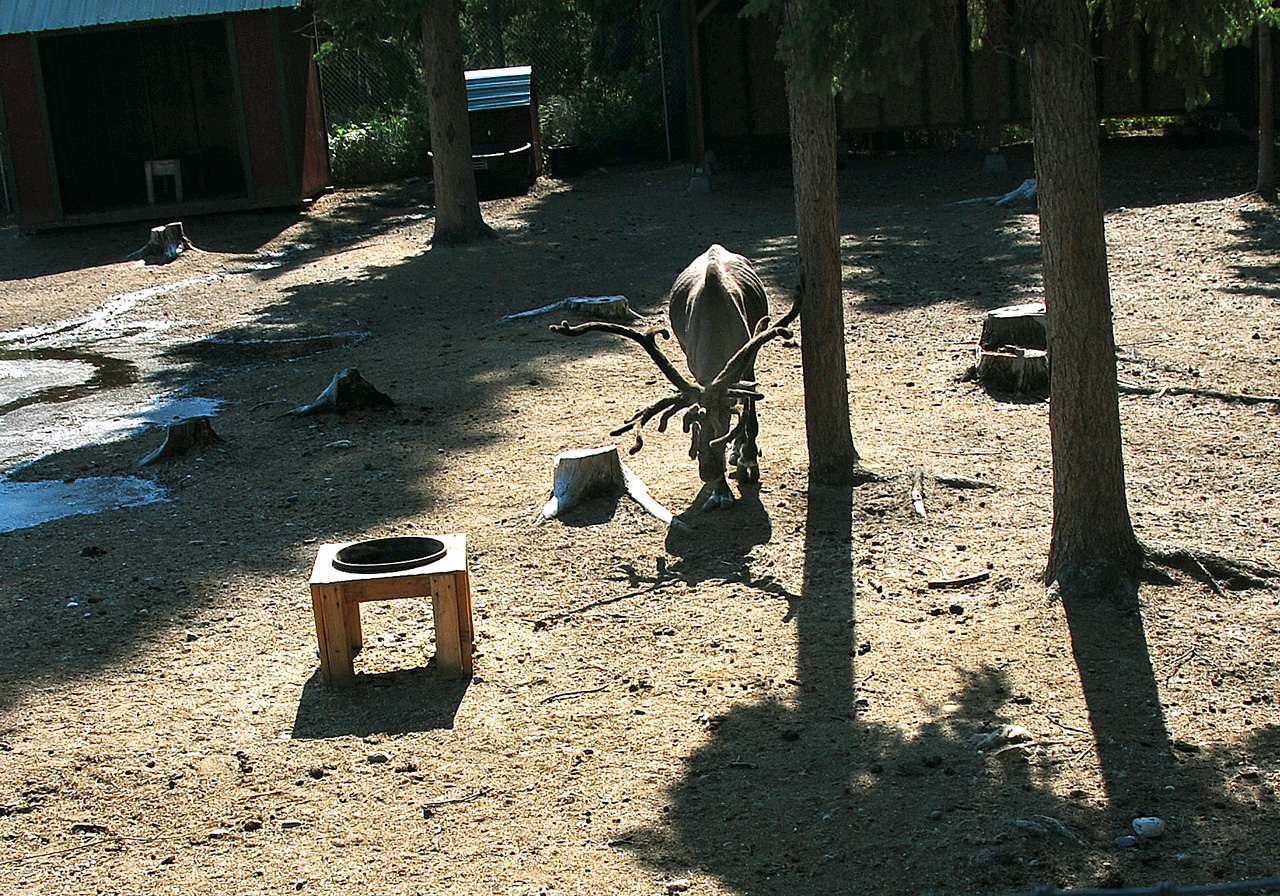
{"x": 811, "y": 793}
{"x": 1109, "y": 645}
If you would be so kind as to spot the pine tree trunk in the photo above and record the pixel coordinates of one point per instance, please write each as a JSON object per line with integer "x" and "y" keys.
{"x": 833, "y": 459}
{"x": 1092, "y": 531}
{"x": 1266, "y": 112}
{"x": 458, "y": 217}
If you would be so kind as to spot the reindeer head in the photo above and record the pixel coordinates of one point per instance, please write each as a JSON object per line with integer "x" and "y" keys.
{"x": 716, "y": 413}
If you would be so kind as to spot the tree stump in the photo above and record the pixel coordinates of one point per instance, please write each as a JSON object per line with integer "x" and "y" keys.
{"x": 594, "y": 472}
{"x": 1013, "y": 351}
{"x": 165, "y": 244}
{"x": 347, "y": 391}
{"x": 181, "y": 437}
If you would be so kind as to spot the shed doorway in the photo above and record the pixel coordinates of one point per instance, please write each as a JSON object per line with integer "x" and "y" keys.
{"x": 121, "y": 100}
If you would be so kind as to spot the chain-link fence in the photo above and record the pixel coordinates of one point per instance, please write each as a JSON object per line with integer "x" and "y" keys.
{"x": 612, "y": 83}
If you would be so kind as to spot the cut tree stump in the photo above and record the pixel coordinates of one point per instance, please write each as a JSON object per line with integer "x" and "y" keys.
{"x": 181, "y": 437}
{"x": 1013, "y": 352}
{"x": 166, "y": 243}
{"x": 594, "y": 472}
{"x": 347, "y": 391}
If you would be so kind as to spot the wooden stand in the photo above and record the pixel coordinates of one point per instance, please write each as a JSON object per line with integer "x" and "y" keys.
{"x": 336, "y": 597}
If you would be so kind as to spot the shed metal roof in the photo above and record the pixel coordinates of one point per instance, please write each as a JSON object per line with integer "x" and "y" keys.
{"x": 498, "y": 88}
{"x": 23, "y": 16}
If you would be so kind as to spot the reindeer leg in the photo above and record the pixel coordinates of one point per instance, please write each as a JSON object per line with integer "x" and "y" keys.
{"x": 745, "y": 455}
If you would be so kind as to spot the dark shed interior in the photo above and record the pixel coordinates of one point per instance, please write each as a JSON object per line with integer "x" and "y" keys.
{"x": 120, "y": 97}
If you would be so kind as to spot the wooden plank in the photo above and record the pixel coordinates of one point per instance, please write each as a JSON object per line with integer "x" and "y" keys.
{"x": 332, "y": 636}
{"x": 466, "y": 623}
{"x": 351, "y": 616}
{"x": 444, "y": 607}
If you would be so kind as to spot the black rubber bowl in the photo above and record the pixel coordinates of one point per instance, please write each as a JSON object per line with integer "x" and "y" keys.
{"x": 389, "y": 554}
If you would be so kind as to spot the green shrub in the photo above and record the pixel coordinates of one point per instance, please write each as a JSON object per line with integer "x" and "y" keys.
{"x": 387, "y": 147}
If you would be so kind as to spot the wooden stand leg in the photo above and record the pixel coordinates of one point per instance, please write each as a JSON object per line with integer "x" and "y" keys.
{"x": 453, "y": 647}
{"x": 332, "y": 634}
{"x": 351, "y": 616}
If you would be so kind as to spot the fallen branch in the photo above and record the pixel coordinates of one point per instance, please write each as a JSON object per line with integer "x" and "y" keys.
{"x": 604, "y": 307}
{"x": 963, "y": 482}
{"x": 565, "y": 695}
{"x": 1219, "y": 394}
{"x": 971, "y": 579}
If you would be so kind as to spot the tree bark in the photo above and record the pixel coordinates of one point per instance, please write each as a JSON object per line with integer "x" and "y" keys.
{"x": 1092, "y": 533}
{"x": 1266, "y": 112}
{"x": 833, "y": 459}
{"x": 458, "y": 217}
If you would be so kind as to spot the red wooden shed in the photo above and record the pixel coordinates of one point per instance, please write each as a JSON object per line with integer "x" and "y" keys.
{"x": 120, "y": 110}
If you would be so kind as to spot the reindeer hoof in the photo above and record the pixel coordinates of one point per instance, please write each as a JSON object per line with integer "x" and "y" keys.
{"x": 719, "y": 500}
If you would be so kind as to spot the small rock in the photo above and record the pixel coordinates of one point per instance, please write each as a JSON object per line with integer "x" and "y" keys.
{"x": 679, "y": 886}
{"x": 1127, "y": 841}
{"x": 1148, "y": 827}
{"x": 218, "y": 833}
{"x": 341, "y": 445}
{"x": 377, "y": 758}
{"x": 88, "y": 827}
{"x": 190, "y": 636}
{"x": 288, "y": 824}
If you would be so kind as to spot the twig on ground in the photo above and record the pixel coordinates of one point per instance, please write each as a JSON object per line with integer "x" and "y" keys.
{"x": 961, "y": 581}
{"x": 565, "y": 695}
{"x": 88, "y": 844}
{"x": 1213, "y": 583}
{"x": 453, "y": 800}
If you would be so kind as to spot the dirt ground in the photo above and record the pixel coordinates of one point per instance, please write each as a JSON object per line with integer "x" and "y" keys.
{"x": 776, "y": 702}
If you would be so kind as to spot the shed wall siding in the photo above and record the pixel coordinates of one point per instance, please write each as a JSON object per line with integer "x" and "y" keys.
{"x": 28, "y": 141}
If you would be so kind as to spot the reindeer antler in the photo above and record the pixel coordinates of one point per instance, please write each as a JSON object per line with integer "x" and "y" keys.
{"x": 648, "y": 340}
{"x": 689, "y": 393}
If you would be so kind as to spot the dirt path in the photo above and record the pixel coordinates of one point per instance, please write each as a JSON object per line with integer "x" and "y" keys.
{"x": 777, "y": 702}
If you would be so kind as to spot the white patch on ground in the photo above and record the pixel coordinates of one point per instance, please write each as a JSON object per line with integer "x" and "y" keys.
{"x": 27, "y": 504}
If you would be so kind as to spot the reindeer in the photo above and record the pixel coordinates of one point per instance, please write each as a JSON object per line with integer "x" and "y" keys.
{"x": 719, "y": 313}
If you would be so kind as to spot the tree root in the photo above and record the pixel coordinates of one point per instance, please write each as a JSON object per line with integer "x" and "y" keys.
{"x": 1219, "y": 394}
{"x": 1217, "y": 571}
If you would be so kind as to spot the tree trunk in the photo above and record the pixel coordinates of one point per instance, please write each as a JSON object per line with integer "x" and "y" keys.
{"x": 1266, "y": 112}
{"x": 496, "y": 48}
{"x": 457, "y": 204}
{"x": 1092, "y": 531}
{"x": 833, "y": 459}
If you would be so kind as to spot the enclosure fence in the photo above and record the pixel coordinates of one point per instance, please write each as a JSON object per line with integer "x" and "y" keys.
{"x": 612, "y": 81}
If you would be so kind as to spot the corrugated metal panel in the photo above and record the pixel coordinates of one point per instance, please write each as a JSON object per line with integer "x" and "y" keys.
{"x": 22, "y": 16}
{"x": 499, "y": 88}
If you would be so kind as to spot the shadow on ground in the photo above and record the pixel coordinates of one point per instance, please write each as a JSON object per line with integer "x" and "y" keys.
{"x": 789, "y": 796}
{"x": 405, "y": 700}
